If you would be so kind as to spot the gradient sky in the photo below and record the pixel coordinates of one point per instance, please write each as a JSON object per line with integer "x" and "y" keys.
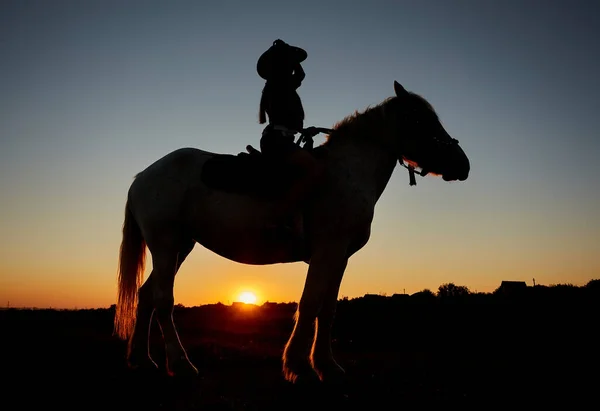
{"x": 92, "y": 92}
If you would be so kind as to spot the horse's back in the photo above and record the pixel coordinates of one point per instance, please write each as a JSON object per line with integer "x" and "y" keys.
{"x": 160, "y": 189}
{"x": 177, "y": 160}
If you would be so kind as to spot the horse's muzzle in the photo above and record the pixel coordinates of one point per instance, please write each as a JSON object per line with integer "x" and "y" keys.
{"x": 460, "y": 166}
{"x": 451, "y": 177}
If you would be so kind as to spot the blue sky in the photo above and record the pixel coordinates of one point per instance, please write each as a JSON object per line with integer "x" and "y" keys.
{"x": 91, "y": 92}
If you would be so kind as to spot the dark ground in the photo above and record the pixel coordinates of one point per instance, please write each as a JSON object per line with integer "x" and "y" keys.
{"x": 410, "y": 353}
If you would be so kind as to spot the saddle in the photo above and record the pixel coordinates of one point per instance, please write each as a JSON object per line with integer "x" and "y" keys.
{"x": 251, "y": 173}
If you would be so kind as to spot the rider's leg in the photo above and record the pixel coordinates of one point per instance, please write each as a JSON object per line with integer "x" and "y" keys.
{"x": 276, "y": 145}
{"x": 310, "y": 170}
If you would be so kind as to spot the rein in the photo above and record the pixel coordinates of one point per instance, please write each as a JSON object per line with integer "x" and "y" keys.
{"x": 411, "y": 173}
{"x": 307, "y": 134}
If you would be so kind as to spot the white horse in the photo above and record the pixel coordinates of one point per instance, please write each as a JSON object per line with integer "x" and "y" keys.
{"x": 223, "y": 202}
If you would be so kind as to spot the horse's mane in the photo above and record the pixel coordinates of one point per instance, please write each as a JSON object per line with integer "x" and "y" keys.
{"x": 354, "y": 124}
{"x": 351, "y": 125}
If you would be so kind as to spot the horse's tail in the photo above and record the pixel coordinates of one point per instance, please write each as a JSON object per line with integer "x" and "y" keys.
{"x": 132, "y": 259}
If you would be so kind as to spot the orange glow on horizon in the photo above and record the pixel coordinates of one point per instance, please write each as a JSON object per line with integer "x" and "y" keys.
{"x": 247, "y": 297}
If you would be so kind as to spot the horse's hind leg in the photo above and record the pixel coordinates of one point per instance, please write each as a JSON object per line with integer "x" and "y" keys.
{"x": 166, "y": 262}
{"x": 138, "y": 353}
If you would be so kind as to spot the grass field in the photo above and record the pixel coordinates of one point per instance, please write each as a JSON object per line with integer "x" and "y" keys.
{"x": 404, "y": 354}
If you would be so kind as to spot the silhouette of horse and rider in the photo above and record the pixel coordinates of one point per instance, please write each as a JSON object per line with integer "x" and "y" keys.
{"x": 287, "y": 203}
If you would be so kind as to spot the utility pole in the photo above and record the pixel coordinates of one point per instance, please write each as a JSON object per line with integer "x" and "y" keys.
{"x": 534, "y": 282}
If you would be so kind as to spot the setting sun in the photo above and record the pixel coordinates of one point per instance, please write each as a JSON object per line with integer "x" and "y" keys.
{"x": 247, "y": 297}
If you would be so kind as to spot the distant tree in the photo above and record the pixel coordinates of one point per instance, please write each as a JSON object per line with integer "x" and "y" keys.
{"x": 593, "y": 284}
{"x": 425, "y": 293}
{"x": 450, "y": 290}
{"x": 563, "y": 286}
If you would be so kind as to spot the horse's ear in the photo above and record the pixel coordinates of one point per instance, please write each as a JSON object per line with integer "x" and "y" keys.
{"x": 400, "y": 91}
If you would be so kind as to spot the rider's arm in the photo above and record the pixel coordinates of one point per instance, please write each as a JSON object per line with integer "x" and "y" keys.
{"x": 298, "y": 76}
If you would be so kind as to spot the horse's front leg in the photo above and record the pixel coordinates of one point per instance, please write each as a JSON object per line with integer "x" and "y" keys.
{"x": 322, "y": 355}
{"x": 327, "y": 262}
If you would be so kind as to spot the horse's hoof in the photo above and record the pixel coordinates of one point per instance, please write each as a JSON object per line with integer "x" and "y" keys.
{"x": 182, "y": 369}
{"x": 142, "y": 364}
{"x": 307, "y": 379}
{"x": 301, "y": 375}
{"x": 332, "y": 374}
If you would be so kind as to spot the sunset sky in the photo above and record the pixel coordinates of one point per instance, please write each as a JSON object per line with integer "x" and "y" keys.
{"x": 92, "y": 92}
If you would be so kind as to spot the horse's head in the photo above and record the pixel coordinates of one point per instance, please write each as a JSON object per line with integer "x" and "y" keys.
{"x": 424, "y": 143}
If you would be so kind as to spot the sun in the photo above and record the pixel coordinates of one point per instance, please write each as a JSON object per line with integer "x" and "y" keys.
{"x": 247, "y": 297}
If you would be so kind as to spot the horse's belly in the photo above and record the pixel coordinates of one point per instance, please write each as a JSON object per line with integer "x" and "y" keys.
{"x": 253, "y": 247}
{"x": 232, "y": 226}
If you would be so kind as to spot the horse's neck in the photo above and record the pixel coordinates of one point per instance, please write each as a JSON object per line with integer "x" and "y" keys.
{"x": 367, "y": 164}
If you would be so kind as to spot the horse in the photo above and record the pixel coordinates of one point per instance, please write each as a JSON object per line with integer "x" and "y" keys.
{"x": 223, "y": 202}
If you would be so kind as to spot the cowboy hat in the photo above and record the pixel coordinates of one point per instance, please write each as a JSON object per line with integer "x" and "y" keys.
{"x": 278, "y": 55}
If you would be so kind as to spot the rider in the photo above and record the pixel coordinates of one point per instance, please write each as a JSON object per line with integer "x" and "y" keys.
{"x": 280, "y": 67}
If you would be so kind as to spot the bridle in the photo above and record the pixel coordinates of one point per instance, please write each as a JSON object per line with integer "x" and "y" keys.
{"x": 448, "y": 142}
{"x": 307, "y": 134}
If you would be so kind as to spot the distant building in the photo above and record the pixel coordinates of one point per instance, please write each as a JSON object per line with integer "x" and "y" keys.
{"x": 512, "y": 287}
{"x": 400, "y": 297}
